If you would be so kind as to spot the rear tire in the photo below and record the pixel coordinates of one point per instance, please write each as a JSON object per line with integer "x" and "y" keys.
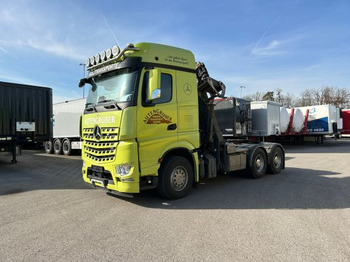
{"x": 66, "y": 147}
{"x": 276, "y": 164}
{"x": 48, "y": 147}
{"x": 175, "y": 177}
{"x": 57, "y": 146}
{"x": 259, "y": 164}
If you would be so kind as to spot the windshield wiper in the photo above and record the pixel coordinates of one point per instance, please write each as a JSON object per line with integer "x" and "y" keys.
{"x": 113, "y": 104}
{"x": 90, "y": 107}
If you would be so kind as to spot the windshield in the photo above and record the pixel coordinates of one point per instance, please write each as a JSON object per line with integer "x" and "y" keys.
{"x": 117, "y": 86}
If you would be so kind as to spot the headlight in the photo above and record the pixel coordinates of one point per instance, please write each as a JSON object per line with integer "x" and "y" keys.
{"x": 123, "y": 170}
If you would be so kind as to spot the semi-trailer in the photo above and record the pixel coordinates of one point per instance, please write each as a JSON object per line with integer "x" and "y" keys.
{"x": 270, "y": 121}
{"x": 66, "y": 127}
{"x": 25, "y": 116}
{"x": 346, "y": 123}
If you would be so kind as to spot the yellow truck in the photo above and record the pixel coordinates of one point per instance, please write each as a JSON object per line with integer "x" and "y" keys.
{"x": 149, "y": 123}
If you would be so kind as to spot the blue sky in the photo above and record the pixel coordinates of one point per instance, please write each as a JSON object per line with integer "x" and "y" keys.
{"x": 262, "y": 45}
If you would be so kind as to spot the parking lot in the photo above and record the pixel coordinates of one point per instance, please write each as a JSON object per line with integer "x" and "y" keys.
{"x": 303, "y": 214}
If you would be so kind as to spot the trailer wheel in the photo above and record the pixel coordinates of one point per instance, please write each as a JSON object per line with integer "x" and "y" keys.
{"x": 276, "y": 163}
{"x": 175, "y": 177}
{"x": 57, "y": 146}
{"x": 258, "y": 164}
{"x": 48, "y": 147}
{"x": 66, "y": 147}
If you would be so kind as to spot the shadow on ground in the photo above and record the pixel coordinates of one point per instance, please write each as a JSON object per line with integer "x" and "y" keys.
{"x": 35, "y": 171}
{"x": 294, "y": 188}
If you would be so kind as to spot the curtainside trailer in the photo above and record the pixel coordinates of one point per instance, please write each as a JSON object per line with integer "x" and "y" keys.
{"x": 25, "y": 116}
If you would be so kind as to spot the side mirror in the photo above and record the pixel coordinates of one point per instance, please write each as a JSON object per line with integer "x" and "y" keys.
{"x": 82, "y": 82}
{"x": 153, "y": 91}
{"x": 156, "y": 94}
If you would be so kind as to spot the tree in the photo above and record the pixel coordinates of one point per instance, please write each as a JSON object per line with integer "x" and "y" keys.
{"x": 287, "y": 100}
{"x": 340, "y": 97}
{"x": 326, "y": 96}
{"x": 254, "y": 97}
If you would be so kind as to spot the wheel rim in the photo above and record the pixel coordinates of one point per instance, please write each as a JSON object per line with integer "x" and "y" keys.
{"x": 179, "y": 179}
{"x": 65, "y": 147}
{"x": 259, "y": 164}
{"x": 277, "y": 160}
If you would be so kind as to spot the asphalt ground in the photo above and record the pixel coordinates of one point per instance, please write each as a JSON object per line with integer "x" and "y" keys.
{"x": 48, "y": 213}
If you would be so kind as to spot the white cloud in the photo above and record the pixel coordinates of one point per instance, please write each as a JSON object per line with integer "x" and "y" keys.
{"x": 273, "y": 48}
{"x": 3, "y": 50}
{"x": 13, "y": 77}
{"x": 56, "y": 48}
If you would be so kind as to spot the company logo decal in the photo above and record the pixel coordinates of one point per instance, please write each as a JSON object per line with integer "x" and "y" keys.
{"x": 187, "y": 89}
{"x": 97, "y": 133}
{"x": 157, "y": 116}
{"x": 100, "y": 120}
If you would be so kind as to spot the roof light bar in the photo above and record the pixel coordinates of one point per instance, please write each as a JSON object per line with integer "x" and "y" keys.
{"x": 108, "y": 55}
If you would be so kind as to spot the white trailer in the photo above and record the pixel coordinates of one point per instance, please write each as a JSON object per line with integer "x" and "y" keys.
{"x": 265, "y": 118}
{"x": 322, "y": 119}
{"x": 66, "y": 125}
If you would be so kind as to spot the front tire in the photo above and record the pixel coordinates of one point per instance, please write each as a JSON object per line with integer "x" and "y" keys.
{"x": 258, "y": 164}
{"x": 175, "y": 177}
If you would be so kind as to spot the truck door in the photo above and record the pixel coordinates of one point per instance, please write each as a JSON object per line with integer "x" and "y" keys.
{"x": 157, "y": 119}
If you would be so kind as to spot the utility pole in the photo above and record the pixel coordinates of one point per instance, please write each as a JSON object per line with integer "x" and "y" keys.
{"x": 83, "y": 65}
{"x": 241, "y": 89}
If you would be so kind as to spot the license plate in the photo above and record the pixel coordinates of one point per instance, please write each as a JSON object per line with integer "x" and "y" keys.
{"x": 98, "y": 169}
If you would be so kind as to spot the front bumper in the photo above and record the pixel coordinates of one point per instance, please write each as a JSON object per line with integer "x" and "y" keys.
{"x": 104, "y": 175}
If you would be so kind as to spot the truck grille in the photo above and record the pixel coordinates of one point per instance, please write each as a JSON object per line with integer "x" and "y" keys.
{"x": 104, "y": 149}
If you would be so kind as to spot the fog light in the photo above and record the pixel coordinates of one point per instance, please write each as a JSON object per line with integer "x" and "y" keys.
{"x": 123, "y": 170}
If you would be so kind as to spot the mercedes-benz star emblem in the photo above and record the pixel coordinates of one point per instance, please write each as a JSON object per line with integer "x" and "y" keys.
{"x": 97, "y": 133}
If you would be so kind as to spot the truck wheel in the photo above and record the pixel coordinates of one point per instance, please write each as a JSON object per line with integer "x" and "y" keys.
{"x": 57, "y": 146}
{"x": 276, "y": 164}
{"x": 259, "y": 164}
{"x": 48, "y": 147}
{"x": 175, "y": 177}
{"x": 66, "y": 147}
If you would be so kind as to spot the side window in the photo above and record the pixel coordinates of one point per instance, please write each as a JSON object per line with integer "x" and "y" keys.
{"x": 166, "y": 89}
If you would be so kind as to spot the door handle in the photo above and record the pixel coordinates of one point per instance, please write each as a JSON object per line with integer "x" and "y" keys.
{"x": 172, "y": 127}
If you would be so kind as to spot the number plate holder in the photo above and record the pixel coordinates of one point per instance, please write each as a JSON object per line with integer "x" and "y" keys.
{"x": 97, "y": 169}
